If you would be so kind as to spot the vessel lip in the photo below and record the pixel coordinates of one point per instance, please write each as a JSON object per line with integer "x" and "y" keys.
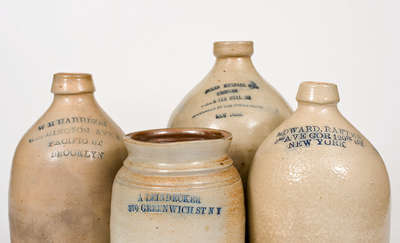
{"x": 172, "y": 136}
{"x": 241, "y": 42}
{"x": 72, "y": 83}
{"x": 233, "y": 48}
{"x": 319, "y": 83}
{"x": 72, "y": 75}
{"x": 318, "y": 92}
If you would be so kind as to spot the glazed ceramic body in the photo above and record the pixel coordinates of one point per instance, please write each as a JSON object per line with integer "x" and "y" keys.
{"x": 63, "y": 169}
{"x": 234, "y": 97}
{"x": 317, "y": 179}
{"x": 177, "y": 186}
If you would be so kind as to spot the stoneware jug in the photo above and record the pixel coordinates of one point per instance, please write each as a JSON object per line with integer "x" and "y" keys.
{"x": 176, "y": 186}
{"x": 316, "y": 179}
{"x": 64, "y": 167}
{"x": 234, "y": 97}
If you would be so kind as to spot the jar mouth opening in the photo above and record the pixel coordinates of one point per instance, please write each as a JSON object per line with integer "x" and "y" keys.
{"x": 177, "y": 135}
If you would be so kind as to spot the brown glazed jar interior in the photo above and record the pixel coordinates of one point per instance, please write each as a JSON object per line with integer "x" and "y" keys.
{"x": 173, "y": 135}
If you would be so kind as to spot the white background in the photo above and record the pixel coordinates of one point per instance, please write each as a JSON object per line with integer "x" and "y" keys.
{"x": 146, "y": 55}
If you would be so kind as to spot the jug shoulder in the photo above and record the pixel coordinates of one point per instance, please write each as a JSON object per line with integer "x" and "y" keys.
{"x": 320, "y": 148}
{"x": 214, "y": 102}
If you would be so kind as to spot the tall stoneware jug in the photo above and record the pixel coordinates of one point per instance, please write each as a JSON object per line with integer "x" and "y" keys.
{"x": 178, "y": 185}
{"x": 316, "y": 179}
{"x": 234, "y": 97}
{"x": 63, "y": 169}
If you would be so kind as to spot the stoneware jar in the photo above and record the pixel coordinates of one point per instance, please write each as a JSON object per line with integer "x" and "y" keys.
{"x": 177, "y": 186}
{"x": 64, "y": 167}
{"x": 316, "y": 179}
{"x": 234, "y": 97}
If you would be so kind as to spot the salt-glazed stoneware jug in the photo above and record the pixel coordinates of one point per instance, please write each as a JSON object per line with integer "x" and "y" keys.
{"x": 234, "y": 97}
{"x": 178, "y": 185}
{"x": 316, "y": 179}
{"x": 64, "y": 167}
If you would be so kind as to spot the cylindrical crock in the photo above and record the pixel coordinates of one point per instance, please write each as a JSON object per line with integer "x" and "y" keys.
{"x": 178, "y": 185}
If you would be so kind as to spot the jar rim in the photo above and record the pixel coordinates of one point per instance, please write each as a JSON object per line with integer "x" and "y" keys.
{"x": 166, "y": 136}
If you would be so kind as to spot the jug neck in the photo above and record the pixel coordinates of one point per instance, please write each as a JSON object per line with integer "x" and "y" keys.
{"x": 233, "y": 56}
{"x": 86, "y": 99}
{"x": 73, "y": 89}
{"x": 72, "y": 83}
{"x": 316, "y": 108}
{"x": 234, "y": 64}
{"x": 317, "y": 97}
